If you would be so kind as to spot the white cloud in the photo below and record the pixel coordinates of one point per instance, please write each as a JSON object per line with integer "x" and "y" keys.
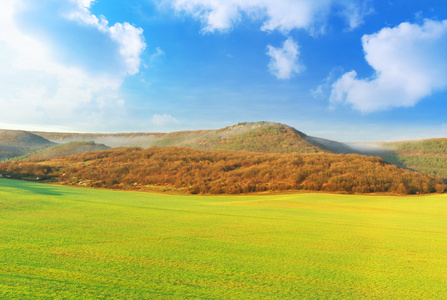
{"x": 284, "y": 61}
{"x": 38, "y": 88}
{"x": 163, "y": 120}
{"x": 129, "y": 38}
{"x": 409, "y": 62}
{"x": 355, "y": 12}
{"x": 84, "y": 3}
{"x": 131, "y": 43}
{"x": 283, "y": 15}
{"x": 81, "y": 11}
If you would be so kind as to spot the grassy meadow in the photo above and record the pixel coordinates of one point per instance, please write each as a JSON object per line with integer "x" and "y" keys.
{"x": 61, "y": 242}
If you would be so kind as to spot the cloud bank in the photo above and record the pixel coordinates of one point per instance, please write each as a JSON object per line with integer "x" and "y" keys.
{"x": 45, "y": 81}
{"x": 409, "y": 63}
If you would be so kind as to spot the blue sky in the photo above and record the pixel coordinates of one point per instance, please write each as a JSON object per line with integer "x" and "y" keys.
{"x": 347, "y": 70}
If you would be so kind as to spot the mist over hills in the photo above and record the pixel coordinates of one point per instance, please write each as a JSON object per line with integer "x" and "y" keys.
{"x": 428, "y": 156}
{"x": 265, "y": 137}
{"x": 65, "y": 149}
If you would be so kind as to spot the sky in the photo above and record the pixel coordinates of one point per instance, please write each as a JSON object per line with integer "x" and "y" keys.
{"x": 345, "y": 70}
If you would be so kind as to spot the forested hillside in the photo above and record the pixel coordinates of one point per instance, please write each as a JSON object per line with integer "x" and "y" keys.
{"x": 428, "y": 156}
{"x": 63, "y": 150}
{"x": 16, "y": 143}
{"x": 265, "y": 137}
{"x": 256, "y": 137}
{"x": 215, "y": 172}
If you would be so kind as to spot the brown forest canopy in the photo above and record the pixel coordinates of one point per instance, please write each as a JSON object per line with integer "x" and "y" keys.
{"x": 201, "y": 171}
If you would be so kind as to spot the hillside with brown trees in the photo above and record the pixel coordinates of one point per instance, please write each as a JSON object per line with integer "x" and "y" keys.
{"x": 428, "y": 156}
{"x": 231, "y": 172}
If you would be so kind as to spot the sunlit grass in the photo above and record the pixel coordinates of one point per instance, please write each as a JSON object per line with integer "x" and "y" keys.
{"x": 62, "y": 242}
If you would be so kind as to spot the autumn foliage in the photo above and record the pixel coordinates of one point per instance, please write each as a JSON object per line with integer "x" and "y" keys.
{"x": 231, "y": 172}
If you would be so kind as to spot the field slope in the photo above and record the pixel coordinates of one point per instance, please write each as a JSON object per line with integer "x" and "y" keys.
{"x": 71, "y": 243}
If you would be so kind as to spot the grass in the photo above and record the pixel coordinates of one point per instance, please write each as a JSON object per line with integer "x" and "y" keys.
{"x": 70, "y": 243}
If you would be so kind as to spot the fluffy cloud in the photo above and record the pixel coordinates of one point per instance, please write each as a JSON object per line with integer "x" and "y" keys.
{"x": 409, "y": 62}
{"x": 283, "y": 15}
{"x": 284, "y": 61}
{"x": 38, "y": 87}
{"x": 163, "y": 120}
{"x": 129, "y": 38}
{"x": 131, "y": 44}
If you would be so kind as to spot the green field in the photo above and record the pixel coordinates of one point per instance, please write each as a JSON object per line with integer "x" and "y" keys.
{"x": 70, "y": 243}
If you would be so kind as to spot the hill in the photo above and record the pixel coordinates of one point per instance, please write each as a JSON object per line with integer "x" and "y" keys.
{"x": 64, "y": 150}
{"x": 428, "y": 156}
{"x": 112, "y": 140}
{"x": 265, "y": 137}
{"x": 16, "y": 143}
{"x": 230, "y": 172}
